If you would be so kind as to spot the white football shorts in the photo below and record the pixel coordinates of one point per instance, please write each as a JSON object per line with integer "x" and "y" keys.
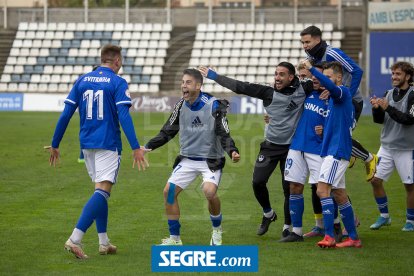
{"x": 299, "y": 165}
{"x": 187, "y": 170}
{"x": 402, "y": 160}
{"x": 333, "y": 172}
{"x": 102, "y": 165}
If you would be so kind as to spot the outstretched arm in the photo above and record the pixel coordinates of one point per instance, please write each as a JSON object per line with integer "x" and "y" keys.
{"x": 254, "y": 90}
{"x": 168, "y": 131}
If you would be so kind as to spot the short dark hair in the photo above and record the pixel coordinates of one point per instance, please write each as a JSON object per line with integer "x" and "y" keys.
{"x": 109, "y": 52}
{"x": 313, "y": 31}
{"x": 288, "y": 66}
{"x": 194, "y": 73}
{"x": 336, "y": 66}
{"x": 406, "y": 67}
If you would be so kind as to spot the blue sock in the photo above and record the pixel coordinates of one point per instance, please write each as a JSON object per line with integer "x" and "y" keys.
{"x": 296, "y": 204}
{"x": 174, "y": 226}
{"x": 328, "y": 215}
{"x": 216, "y": 220}
{"x": 97, "y": 206}
{"x": 382, "y": 203}
{"x": 347, "y": 216}
{"x": 410, "y": 214}
{"x": 101, "y": 220}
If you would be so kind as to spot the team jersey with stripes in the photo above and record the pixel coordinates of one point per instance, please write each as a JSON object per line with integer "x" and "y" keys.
{"x": 337, "y": 133}
{"x": 314, "y": 113}
{"x": 97, "y": 95}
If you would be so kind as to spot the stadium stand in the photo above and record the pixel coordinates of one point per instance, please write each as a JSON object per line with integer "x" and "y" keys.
{"x": 250, "y": 52}
{"x": 50, "y": 57}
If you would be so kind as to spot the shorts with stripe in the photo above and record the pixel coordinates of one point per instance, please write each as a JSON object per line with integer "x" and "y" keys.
{"x": 333, "y": 172}
{"x": 299, "y": 165}
{"x": 102, "y": 165}
{"x": 402, "y": 160}
{"x": 187, "y": 171}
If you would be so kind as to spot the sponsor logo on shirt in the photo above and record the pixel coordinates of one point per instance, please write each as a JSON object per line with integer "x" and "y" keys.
{"x": 197, "y": 122}
{"x": 320, "y": 110}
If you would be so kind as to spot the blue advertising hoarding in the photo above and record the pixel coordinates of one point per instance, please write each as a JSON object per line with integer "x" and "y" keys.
{"x": 386, "y": 48}
{"x": 11, "y": 101}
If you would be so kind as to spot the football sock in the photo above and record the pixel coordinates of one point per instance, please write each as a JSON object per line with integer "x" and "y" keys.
{"x": 97, "y": 206}
{"x": 286, "y": 226}
{"x": 410, "y": 215}
{"x": 268, "y": 213}
{"x": 77, "y": 236}
{"x": 382, "y": 203}
{"x": 296, "y": 204}
{"x": 328, "y": 215}
{"x": 216, "y": 220}
{"x": 103, "y": 238}
{"x": 359, "y": 151}
{"x": 174, "y": 227}
{"x": 347, "y": 215}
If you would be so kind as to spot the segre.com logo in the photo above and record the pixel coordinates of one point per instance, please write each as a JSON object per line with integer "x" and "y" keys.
{"x": 205, "y": 258}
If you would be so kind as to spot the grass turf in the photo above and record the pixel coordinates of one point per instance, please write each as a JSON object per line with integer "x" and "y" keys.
{"x": 40, "y": 206}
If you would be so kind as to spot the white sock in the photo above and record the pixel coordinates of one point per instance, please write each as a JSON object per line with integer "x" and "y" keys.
{"x": 370, "y": 157}
{"x": 286, "y": 226}
{"x": 103, "y": 238}
{"x": 77, "y": 236}
{"x": 410, "y": 221}
{"x": 336, "y": 220}
{"x": 385, "y": 215}
{"x": 269, "y": 214}
{"x": 297, "y": 231}
{"x": 175, "y": 237}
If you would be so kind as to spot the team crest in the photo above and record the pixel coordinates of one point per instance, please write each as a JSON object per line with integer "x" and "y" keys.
{"x": 260, "y": 158}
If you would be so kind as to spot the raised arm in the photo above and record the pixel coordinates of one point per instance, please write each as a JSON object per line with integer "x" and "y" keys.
{"x": 335, "y": 91}
{"x": 254, "y": 90}
{"x": 349, "y": 65}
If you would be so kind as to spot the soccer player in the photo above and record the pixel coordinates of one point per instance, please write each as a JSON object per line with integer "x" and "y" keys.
{"x": 284, "y": 104}
{"x": 304, "y": 159}
{"x": 201, "y": 121}
{"x": 319, "y": 51}
{"x": 396, "y": 112}
{"x": 336, "y": 152}
{"x": 103, "y": 100}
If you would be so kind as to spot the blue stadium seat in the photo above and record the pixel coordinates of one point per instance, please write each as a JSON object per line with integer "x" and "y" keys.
{"x": 29, "y": 69}
{"x": 25, "y": 78}
{"x": 136, "y": 79}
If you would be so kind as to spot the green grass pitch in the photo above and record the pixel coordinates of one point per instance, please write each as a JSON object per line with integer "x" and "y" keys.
{"x": 40, "y": 206}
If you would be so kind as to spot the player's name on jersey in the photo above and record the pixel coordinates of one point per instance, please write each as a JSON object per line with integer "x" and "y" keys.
{"x": 97, "y": 79}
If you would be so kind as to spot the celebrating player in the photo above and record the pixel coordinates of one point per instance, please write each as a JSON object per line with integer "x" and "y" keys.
{"x": 336, "y": 152}
{"x": 318, "y": 51}
{"x": 396, "y": 112}
{"x": 103, "y": 100}
{"x": 204, "y": 136}
{"x": 283, "y": 103}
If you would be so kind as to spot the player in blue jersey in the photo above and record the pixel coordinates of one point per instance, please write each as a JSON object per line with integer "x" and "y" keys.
{"x": 396, "y": 112}
{"x": 103, "y": 100}
{"x": 303, "y": 158}
{"x": 336, "y": 152}
{"x": 201, "y": 121}
{"x": 319, "y": 51}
